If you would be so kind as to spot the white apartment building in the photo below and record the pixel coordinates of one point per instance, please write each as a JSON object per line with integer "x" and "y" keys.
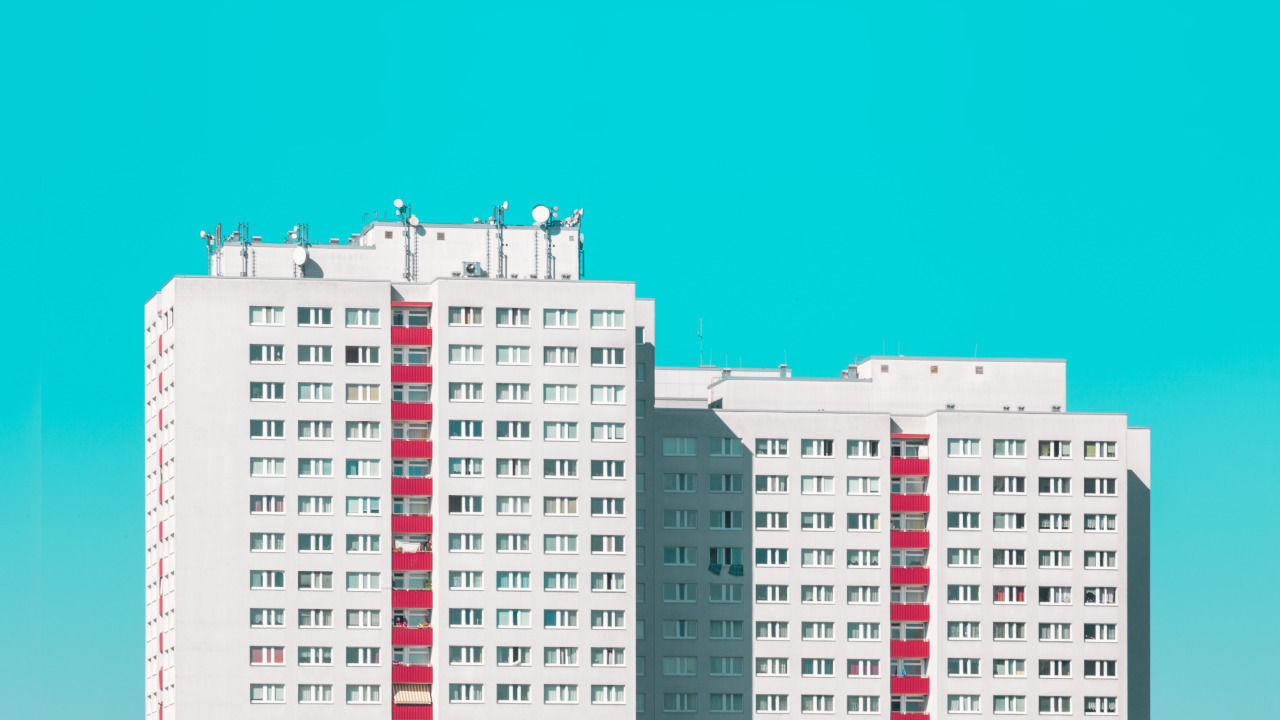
{"x": 431, "y": 470}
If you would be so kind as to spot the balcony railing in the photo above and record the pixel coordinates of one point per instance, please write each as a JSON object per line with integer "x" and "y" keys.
{"x": 909, "y": 576}
{"x": 908, "y": 649}
{"x": 909, "y": 503}
{"x": 410, "y": 411}
{"x": 905, "y": 612}
{"x": 908, "y": 716}
{"x": 908, "y": 466}
{"x": 411, "y": 373}
{"x": 411, "y": 673}
{"x": 909, "y": 538}
{"x": 411, "y": 636}
{"x": 411, "y": 523}
{"x": 411, "y": 598}
{"x": 411, "y": 486}
{"x": 411, "y": 712}
{"x": 411, "y": 561}
{"x": 410, "y": 448}
{"x": 410, "y": 336}
{"x": 909, "y": 685}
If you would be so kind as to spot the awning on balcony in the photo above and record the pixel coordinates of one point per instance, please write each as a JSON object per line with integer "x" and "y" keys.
{"x": 412, "y": 694}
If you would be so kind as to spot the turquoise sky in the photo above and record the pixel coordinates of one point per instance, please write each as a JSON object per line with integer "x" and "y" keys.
{"x": 1095, "y": 181}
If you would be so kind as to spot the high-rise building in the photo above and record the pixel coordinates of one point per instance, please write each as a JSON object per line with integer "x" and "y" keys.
{"x": 430, "y": 465}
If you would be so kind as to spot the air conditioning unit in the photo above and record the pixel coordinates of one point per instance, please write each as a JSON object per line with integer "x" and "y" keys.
{"x": 471, "y": 268}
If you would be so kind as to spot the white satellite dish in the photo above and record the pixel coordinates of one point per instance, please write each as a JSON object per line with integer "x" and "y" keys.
{"x": 299, "y": 256}
{"x": 413, "y": 220}
{"x": 398, "y": 203}
{"x": 541, "y": 213}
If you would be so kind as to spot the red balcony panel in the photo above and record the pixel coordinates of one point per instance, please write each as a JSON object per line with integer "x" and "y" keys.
{"x": 411, "y": 598}
{"x": 908, "y": 649}
{"x": 411, "y": 712}
{"x": 411, "y": 486}
{"x": 908, "y": 716}
{"x": 897, "y": 575}
{"x": 908, "y": 466}
{"x": 411, "y": 561}
{"x": 909, "y": 503}
{"x": 410, "y": 336}
{"x": 411, "y": 636}
{"x": 412, "y": 674}
{"x": 909, "y": 613}
{"x": 411, "y": 523}
{"x": 909, "y": 685}
{"x": 908, "y": 538}
{"x": 912, "y": 436}
{"x": 409, "y": 448}
{"x": 411, "y": 373}
{"x": 411, "y": 411}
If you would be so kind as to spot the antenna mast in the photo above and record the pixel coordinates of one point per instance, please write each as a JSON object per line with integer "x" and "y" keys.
{"x": 410, "y": 222}
{"x": 499, "y": 218}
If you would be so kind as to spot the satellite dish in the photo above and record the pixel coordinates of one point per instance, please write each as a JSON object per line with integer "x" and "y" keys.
{"x": 413, "y": 219}
{"x": 299, "y": 256}
{"x": 505, "y": 205}
{"x": 541, "y": 213}
{"x": 398, "y": 203}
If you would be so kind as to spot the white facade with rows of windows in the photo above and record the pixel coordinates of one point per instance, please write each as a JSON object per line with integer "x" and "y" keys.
{"x": 609, "y": 538}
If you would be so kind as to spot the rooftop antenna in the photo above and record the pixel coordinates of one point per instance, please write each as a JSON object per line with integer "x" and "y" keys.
{"x": 301, "y": 235}
{"x": 241, "y": 233}
{"x": 699, "y": 342}
{"x": 499, "y": 218}
{"x": 213, "y": 243}
{"x": 410, "y": 222}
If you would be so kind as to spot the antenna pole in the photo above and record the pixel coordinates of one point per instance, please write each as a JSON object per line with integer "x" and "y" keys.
{"x": 699, "y": 342}
{"x": 499, "y": 217}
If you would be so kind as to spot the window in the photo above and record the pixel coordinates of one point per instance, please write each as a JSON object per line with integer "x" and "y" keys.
{"x": 259, "y": 655}
{"x": 363, "y": 505}
{"x": 1055, "y": 449}
{"x": 560, "y": 544}
{"x": 266, "y": 429}
{"x": 315, "y": 618}
{"x": 1099, "y": 487}
{"x": 513, "y": 430}
{"x": 862, "y": 558}
{"x": 268, "y": 391}
{"x": 514, "y": 542}
{"x": 817, "y": 485}
{"x": 559, "y": 694}
{"x": 559, "y": 355}
{"x": 1099, "y": 523}
{"x": 963, "y": 447}
{"x": 608, "y": 357}
{"x": 1009, "y": 631}
{"x": 1055, "y": 522}
{"x": 607, "y": 469}
{"x": 771, "y": 447}
{"x": 364, "y": 430}
{"x": 362, "y": 317}
{"x": 466, "y": 354}
{"x": 559, "y": 469}
{"x": 268, "y": 467}
{"x": 266, "y": 504}
{"x": 608, "y": 394}
{"x": 1099, "y": 450}
{"x": 514, "y": 618}
{"x": 364, "y": 468}
{"x": 362, "y": 355}
{"x": 962, "y": 594}
{"x": 725, "y": 703}
{"x": 862, "y": 704}
{"x": 766, "y": 703}
{"x": 559, "y": 318}
{"x": 270, "y": 354}
{"x": 607, "y": 544}
{"x": 677, "y": 555}
{"x": 1009, "y": 485}
{"x": 963, "y": 557}
{"x": 1055, "y": 558}
{"x": 771, "y": 484}
{"x": 1009, "y": 594}
{"x": 861, "y": 521}
{"x": 771, "y": 557}
{"x": 363, "y": 543}
{"x": 315, "y": 580}
{"x": 772, "y": 630}
{"x": 608, "y": 432}
{"x": 466, "y": 392}
{"x": 817, "y": 448}
{"x": 560, "y": 619}
{"x": 513, "y": 317}
{"x": 1100, "y": 668}
{"x": 863, "y": 631}
{"x": 728, "y": 593}
{"x": 315, "y": 354}
{"x": 863, "y": 448}
{"x": 513, "y": 505}
{"x": 608, "y": 507}
{"x": 358, "y": 656}
{"x": 963, "y": 704}
{"x": 962, "y": 521}
{"x": 362, "y": 393}
{"x": 315, "y": 392}
{"x": 1055, "y": 632}
{"x": 1009, "y": 448}
{"x": 860, "y": 485}
{"x": 513, "y": 354}
{"x": 963, "y": 630}
{"x": 606, "y": 319}
{"x": 315, "y": 317}
{"x": 1099, "y": 596}
{"x": 1008, "y": 521}
{"x": 1009, "y": 558}
{"x": 466, "y": 617}
{"x": 466, "y": 315}
{"x": 963, "y": 667}
{"x": 560, "y": 431}
{"x": 559, "y": 393}
{"x": 963, "y": 484}
{"x": 466, "y": 467}
{"x": 863, "y": 595}
{"x": 308, "y": 467}
{"x": 726, "y": 519}
{"x": 466, "y": 580}
{"x": 864, "y": 668}
{"x": 608, "y": 619}
{"x": 1009, "y": 704}
{"x": 1055, "y": 486}
{"x": 410, "y": 355}
{"x": 410, "y": 468}
{"x": 411, "y": 317}
{"x": 466, "y": 429}
{"x": 313, "y": 655}
{"x": 1055, "y": 595}
{"x": 262, "y": 693}
{"x": 1100, "y": 559}
{"x": 771, "y": 593}
{"x": 607, "y": 582}
{"x": 315, "y": 505}
{"x": 466, "y": 692}
{"x": 466, "y": 655}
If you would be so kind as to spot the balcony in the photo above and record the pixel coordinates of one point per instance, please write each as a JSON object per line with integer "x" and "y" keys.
{"x": 411, "y": 561}
{"x": 411, "y": 636}
{"x": 410, "y": 336}
{"x": 410, "y": 411}
{"x": 411, "y": 599}
{"x": 909, "y": 685}
{"x": 909, "y": 503}
{"x": 411, "y": 523}
{"x": 410, "y": 448}
{"x": 414, "y": 712}
{"x": 909, "y": 538}
{"x": 908, "y": 716}
{"x": 411, "y": 673}
{"x": 905, "y": 612}
{"x": 411, "y": 486}
{"x": 908, "y": 466}
{"x": 898, "y": 575}
{"x": 411, "y": 373}
{"x": 908, "y": 649}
